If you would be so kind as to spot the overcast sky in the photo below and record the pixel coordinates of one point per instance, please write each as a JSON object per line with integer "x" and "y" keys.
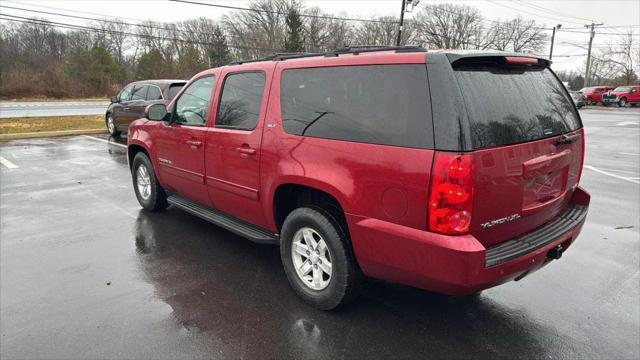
{"x": 571, "y": 14}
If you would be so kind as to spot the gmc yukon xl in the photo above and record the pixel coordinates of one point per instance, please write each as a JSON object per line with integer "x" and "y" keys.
{"x": 427, "y": 168}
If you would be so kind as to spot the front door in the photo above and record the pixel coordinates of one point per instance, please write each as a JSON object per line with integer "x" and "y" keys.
{"x": 180, "y": 143}
{"x": 233, "y": 144}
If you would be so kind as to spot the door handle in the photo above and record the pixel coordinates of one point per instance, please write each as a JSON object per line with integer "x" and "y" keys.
{"x": 245, "y": 149}
{"x": 194, "y": 143}
{"x": 127, "y": 109}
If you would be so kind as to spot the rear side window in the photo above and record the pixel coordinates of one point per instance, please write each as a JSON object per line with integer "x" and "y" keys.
{"x": 509, "y": 105}
{"x": 154, "y": 93}
{"x": 241, "y": 101}
{"x": 173, "y": 90}
{"x": 378, "y": 104}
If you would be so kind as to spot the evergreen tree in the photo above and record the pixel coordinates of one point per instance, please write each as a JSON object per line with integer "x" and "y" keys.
{"x": 152, "y": 65}
{"x": 189, "y": 62}
{"x": 294, "y": 41}
{"x": 219, "y": 53}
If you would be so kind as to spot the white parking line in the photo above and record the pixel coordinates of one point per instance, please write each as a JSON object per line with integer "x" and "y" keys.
{"x": 626, "y": 153}
{"x": 8, "y": 163}
{"x": 105, "y": 141}
{"x": 611, "y": 174}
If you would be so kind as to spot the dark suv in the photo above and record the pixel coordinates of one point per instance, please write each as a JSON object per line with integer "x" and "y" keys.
{"x": 432, "y": 169}
{"x": 130, "y": 103}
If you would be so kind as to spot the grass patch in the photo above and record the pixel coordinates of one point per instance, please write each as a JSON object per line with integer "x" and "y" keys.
{"x": 51, "y": 123}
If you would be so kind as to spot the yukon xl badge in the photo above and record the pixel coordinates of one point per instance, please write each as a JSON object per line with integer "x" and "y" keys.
{"x": 503, "y": 220}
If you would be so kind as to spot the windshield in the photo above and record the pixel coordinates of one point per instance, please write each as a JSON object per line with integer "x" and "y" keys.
{"x": 173, "y": 90}
{"x": 624, "y": 89}
{"x": 587, "y": 89}
{"x": 509, "y": 104}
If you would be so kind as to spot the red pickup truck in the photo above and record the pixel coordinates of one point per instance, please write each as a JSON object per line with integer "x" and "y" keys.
{"x": 594, "y": 94}
{"x": 424, "y": 168}
{"x": 622, "y": 96}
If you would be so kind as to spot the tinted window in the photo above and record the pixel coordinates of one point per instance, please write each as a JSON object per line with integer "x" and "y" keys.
{"x": 192, "y": 107}
{"x": 154, "y": 93}
{"x": 508, "y": 105}
{"x": 139, "y": 93}
{"x": 381, "y": 104}
{"x": 623, "y": 89}
{"x": 125, "y": 94}
{"x": 241, "y": 101}
{"x": 173, "y": 90}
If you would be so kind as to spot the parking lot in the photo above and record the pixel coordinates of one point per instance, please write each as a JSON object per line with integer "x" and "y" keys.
{"x": 86, "y": 274}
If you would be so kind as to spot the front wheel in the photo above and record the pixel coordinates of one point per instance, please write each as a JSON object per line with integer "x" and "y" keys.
{"x": 111, "y": 126}
{"x": 150, "y": 194}
{"x": 317, "y": 259}
{"x": 622, "y": 102}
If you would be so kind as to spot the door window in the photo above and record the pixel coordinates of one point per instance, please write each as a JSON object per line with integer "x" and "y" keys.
{"x": 192, "y": 107}
{"x": 241, "y": 101}
{"x": 154, "y": 93}
{"x": 139, "y": 93}
{"x": 125, "y": 94}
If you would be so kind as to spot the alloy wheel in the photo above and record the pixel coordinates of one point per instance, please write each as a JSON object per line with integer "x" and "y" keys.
{"x": 143, "y": 181}
{"x": 311, "y": 258}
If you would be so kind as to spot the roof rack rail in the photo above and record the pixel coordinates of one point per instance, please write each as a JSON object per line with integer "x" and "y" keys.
{"x": 347, "y": 50}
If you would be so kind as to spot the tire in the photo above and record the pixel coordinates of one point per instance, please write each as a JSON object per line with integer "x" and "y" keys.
{"x": 154, "y": 197}
{"x": 111, "y": 126}
{"x": 622, "y": 102}
{"x": 332, "y": 290}
{"x": 590, "y": 102}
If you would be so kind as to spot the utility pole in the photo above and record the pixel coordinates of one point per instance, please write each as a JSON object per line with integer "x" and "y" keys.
{"x": 407, "y": 6}
{"x": 401, "y": 21}
{"x": 592, "y": 33}
{"x": 553, "y": 36}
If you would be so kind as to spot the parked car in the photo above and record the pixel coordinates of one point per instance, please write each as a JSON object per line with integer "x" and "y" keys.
{"x": 429, "y": 169}
{"x": 622, "y": 96}
{"x": 593, "y": 94}
{"x": 578, "y": 99}
{"x": 130, "y": 103}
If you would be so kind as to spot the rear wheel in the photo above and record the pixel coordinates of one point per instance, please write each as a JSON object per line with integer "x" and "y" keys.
{"x": 150, "y": 194}
{"x": 317, "y": 259}
{"x": 111, "y": 126}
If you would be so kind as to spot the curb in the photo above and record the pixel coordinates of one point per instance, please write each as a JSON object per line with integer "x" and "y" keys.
{"x": 41, "y": 134}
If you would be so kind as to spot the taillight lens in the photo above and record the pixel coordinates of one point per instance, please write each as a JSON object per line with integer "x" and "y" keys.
{"x": 451, "y": 196}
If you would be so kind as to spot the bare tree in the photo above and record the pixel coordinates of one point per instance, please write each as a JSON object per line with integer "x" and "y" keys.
{"x": 448, "y": 26}
{"x": 518, "y": 35}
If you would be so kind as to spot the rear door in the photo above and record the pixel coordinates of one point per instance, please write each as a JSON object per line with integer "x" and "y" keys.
{"x": 528, "y": 143}
{"x": 233, "y": 147}
{"x": 135, "y": 108}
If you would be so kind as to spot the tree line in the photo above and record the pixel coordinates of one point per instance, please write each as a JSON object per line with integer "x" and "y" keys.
{"x": 49, "y": 58}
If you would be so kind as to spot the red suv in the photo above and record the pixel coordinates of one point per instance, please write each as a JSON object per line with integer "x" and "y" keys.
{"x": 424, "y": 168}
{"x": 622, "y": 96}
{"x": 594, "y": 94}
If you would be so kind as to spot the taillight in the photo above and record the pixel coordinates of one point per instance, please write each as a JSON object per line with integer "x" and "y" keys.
{"x": 451, "y": 196}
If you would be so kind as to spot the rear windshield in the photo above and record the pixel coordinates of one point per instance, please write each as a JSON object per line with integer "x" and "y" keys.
{"x": 514, "y": 104}
{"x": 378, "y": 104}
{"x": 173, "y": 90}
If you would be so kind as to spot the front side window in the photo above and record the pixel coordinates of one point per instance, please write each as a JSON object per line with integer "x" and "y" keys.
{"x": 377, "y": 104}
{"x": 125, "y": 94}
{"x": 154, "y": 93}
{"x": 139, "y": 93}
{"x": 241, "y": 101}
{"x": 192, "y": 108}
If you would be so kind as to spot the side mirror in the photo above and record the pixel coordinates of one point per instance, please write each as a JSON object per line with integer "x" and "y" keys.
{"x": 114, "y": 99}
{"x": 155, "y": 112}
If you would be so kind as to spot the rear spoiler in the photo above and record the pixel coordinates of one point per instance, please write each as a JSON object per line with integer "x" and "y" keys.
{"x": 458, "y": 59}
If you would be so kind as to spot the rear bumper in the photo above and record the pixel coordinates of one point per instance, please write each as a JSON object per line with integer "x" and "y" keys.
{"x": 459, "y": 265}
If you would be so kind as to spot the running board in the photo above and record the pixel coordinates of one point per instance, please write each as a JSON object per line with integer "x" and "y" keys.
{"x": 237, "y": 226}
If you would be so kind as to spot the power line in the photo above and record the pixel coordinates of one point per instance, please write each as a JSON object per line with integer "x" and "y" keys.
{"x": 530, "y": 13}
{"x": 549, "y": 11}
{"x": 22, "y": 19}
{"x": 284, "y": 13}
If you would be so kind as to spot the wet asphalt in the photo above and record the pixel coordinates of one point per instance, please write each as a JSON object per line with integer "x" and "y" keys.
{"x": 85, "y": 273}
